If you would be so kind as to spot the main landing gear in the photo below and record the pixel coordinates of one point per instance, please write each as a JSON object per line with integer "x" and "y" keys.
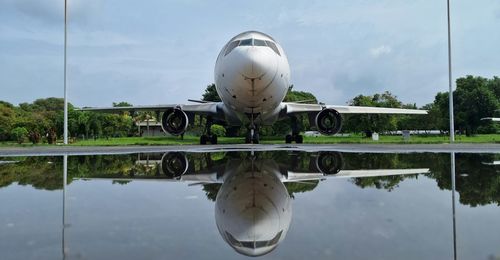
{"x": 208, "y": 136}
{"x": 295, "y": 136}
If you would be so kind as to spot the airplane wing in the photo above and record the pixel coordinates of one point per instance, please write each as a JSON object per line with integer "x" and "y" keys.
{"x": 308, "y": 176}
{"x": 201, "y": 108}
{"x": 292, "y": 108}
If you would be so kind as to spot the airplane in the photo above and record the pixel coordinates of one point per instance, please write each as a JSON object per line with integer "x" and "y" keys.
{"x": 252, "y": 77}
{"x": 253, "y": 207}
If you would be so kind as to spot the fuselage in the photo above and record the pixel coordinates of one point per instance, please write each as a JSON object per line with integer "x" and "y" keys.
{"x": 252, "y": 75}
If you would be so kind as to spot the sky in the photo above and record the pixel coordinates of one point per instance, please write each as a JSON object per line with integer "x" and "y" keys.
{"x": 164, "y": 51}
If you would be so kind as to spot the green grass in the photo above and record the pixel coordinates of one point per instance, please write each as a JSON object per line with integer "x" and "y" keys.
{"x": 351, "y": 139}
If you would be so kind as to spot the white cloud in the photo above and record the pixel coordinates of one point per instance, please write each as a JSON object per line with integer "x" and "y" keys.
{"x": 380, "y": 50}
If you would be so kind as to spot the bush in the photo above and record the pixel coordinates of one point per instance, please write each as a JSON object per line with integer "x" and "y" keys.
{"x": 19, "y": 134}
{"x": 218, "y": 130}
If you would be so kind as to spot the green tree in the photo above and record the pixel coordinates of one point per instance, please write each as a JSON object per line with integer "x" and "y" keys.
{"x": 211, "y": 94}
{"x": 19, "y": 134}
{"x": 7, "y": 119}
{"x": 373, "y": 122}
{"x": 473, "y": 99}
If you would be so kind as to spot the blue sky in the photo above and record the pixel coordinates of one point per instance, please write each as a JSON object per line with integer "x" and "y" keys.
{"x": 163, "y": 52}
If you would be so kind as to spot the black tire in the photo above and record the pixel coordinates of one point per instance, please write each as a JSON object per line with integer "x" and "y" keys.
{"x": 213, "y": 139}
{"x": 203, "y": 139}
{"x": 288, "y": 139}
{"x": 299, "y": 139}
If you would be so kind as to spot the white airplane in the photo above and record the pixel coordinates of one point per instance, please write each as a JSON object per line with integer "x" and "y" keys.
{"x": 252, "y": 76}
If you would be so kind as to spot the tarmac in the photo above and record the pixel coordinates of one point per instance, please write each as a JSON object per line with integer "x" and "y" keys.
{"x": 359, "y": 148}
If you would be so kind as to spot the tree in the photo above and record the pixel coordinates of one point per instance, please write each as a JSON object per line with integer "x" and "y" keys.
{"x": 7, "y": 119}
{"x": 473, "y": 99}
{"x": 211, "y": 94}
{"x": 121, "y": 104}
{"x": 19, "y": 134}
{"x": 373, "y": 122}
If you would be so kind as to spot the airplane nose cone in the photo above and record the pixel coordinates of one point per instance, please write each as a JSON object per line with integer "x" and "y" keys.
{"x": 257, "y": 63}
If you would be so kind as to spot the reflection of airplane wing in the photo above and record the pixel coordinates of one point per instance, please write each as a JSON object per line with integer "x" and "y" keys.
{"x": 292, "y": 108}
{"x": 305, "y": 176}
{"x": 202, "y": 108}
{"x": 495, "y": 119}
{"x": 492, "y": 163}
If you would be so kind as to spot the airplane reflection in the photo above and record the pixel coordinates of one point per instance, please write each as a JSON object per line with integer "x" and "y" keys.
{"x": 253, "y": 207}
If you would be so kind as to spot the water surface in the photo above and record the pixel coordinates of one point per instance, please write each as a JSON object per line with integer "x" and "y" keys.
{"x": 279, "y": 205}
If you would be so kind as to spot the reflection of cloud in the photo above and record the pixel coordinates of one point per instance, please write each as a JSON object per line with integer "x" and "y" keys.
{"x": 381, "y": 50}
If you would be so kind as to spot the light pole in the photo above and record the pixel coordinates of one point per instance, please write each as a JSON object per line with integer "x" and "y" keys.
{"x": 452, "y": 125}
{"x": 65, "y": 65}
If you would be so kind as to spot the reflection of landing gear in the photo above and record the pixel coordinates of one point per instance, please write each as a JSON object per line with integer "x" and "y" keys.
{"x": 208, "y": 136}
{"x": 295, "y": 136}
{"x": 252, "y": 136}
{"x": 329, "y": 162}
{"x": 174, "y": 164}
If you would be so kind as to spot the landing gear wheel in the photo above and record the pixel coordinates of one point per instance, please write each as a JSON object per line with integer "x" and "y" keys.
{"x": 299, "y": 139}
{"x": 213, "y": 139}
{"x": 288, "y": 139}
{"x": 203, "y": 139}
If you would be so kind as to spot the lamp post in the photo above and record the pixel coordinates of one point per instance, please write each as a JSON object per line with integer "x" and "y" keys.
{"x": 65, "y": 65}
{"x": 452, "y": 125}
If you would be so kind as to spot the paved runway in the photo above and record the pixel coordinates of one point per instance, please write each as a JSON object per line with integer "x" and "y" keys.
{"x": 369, "y": 148}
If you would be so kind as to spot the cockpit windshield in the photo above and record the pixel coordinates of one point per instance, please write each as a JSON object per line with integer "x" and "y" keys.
{"x": 251, "y": 42}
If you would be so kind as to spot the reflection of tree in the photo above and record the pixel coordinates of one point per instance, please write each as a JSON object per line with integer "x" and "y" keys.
{"x": 39, "y": 172}
{"x": 477, "y": 183}
{"x": 383, "y": 161}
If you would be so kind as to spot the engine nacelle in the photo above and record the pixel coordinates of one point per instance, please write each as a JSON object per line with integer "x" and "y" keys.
{"x": 328, "y": 121}
{"x": 174, "y": 121}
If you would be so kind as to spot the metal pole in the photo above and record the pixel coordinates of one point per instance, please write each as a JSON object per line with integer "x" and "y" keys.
{"x": 65, "y": 65}
{"x": 452, "y": 124}
{"x": 453, "y": 188}
{"x": 65, "y": 181}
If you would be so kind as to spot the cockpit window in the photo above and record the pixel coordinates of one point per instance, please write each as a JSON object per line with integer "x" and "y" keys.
{"x": 246, "y": 42}
{"x": 251, "y": 42}
{"x": 231, "y": 46}
{"x": 258, "y": 42}
{"x": 253, "y": 244}
{"x": 273, "y": 46}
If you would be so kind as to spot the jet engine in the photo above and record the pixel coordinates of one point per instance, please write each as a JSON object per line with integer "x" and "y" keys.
{"x": 174, "y": 121}
{"x": 328, "y": 121}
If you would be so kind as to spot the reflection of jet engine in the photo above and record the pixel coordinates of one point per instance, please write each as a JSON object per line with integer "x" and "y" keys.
{"x": 253, "y": 211}
{"x": 174, "y": 121}
{"x": 174, "y": 164}
{"x": 328, "y": 121}
{"x": 329, "y": 162}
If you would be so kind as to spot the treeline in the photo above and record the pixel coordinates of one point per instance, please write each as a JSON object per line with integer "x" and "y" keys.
{"x": 42, "y": 121}
{"x": 474, "y": 98}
